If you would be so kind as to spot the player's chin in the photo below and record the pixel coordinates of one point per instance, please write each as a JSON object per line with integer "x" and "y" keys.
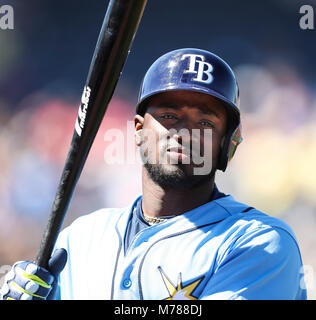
{"x": 179, "y": 176}
{"x": 189, "y": 174}
{"x": 202, "y": 168}
{"x": 188, "y": 169}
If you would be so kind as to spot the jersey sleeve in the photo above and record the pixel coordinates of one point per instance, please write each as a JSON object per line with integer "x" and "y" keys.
{"x": 264, "y": 264}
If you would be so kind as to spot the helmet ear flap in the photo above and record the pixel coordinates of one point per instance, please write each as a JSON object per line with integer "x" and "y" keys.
{"x": 223, "y": 141}
{"x": 229, "y": 146}
{"x": 235, "y": 141}
{"x": 222, "y": 158}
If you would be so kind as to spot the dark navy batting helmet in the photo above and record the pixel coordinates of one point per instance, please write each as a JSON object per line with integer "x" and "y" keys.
{"x": 200, "y": 71}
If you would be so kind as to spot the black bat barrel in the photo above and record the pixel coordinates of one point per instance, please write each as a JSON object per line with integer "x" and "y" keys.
{"x": 118, "y": 30}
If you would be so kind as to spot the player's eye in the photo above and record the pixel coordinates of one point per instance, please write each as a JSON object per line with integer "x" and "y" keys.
{"x": 168, "y": 116}
{"x": 207, "y": 123}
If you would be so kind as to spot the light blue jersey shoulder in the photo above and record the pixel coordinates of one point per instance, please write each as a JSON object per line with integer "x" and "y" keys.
{"x": 221, "y": 250}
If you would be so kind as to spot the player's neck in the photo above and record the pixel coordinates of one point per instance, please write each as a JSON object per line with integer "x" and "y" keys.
{"x": 158, "y": 201}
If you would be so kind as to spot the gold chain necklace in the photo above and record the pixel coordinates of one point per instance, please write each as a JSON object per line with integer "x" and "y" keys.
{"x": 153, "y": 220}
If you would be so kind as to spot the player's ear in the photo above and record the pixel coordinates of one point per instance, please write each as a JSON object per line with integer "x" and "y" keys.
{"x": 138, "y": 121}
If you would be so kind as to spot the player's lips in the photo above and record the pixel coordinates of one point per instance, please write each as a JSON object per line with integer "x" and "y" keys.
{"x": 178, "y": 154}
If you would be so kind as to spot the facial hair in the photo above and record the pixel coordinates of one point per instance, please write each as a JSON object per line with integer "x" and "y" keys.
{"x": 177, "y": 178}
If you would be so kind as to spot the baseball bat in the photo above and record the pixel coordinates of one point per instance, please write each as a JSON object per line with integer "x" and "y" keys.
{"x": 116, "y": 36}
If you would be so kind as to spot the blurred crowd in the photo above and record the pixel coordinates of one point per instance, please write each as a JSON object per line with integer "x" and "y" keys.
{"x": 272, "y": 170}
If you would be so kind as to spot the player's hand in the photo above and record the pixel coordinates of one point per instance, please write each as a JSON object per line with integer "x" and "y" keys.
{"x": 28, "y": 281}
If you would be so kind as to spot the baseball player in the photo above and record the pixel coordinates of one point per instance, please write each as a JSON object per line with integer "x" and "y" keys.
{"x": 182, "y": 238}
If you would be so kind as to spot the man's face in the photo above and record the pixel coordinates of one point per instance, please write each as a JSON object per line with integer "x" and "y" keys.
{"x": 180, "y": 137}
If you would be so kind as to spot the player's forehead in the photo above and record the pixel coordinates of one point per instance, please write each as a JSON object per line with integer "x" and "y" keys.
{"x": 183, "y": 98}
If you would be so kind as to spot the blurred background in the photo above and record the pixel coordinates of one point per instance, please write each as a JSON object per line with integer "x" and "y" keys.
{"x": 43, "y": 67}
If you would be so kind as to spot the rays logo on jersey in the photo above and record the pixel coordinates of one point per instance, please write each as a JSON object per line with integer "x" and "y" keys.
{"x": 180, "y": 291}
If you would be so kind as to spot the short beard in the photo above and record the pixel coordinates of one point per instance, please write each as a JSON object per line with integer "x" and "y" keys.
{"x": 177, "y": 179}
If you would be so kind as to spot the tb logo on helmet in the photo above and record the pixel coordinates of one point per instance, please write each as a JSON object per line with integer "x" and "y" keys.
{"x": 204, "y": 68}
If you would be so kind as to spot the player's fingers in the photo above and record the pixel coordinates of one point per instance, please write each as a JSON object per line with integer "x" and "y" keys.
{"x": 31, "y": 271}
{"x": 16, "y": 292}
{"x": 27, "y": 281}
{"x": 11, "y": 290}
{"x": 4, "y": 291}
{"x": 30, "y": 280}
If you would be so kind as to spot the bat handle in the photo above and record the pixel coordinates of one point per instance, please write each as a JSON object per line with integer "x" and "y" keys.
{"x": 46, "y": 248}
{"x": 45, "y": 251}
{"x": 60, "y": 206}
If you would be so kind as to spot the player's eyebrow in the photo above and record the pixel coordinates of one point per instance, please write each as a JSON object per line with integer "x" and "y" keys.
{"x": 168, "y": 105}
{"x": 203, "y": 109}
{"x": 209, "y": 112}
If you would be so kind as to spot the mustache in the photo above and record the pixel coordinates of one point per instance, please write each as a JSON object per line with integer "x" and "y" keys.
{"x": 178, "y": 148}
{"x": 184, "y": 148}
